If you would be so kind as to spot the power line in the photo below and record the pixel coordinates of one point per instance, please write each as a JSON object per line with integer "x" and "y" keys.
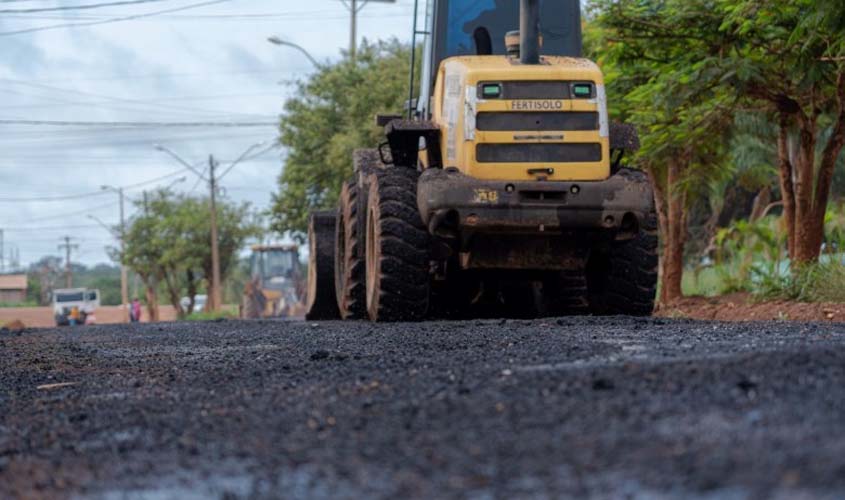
{"x": 77, "y": 7}
{"x": 111, "y": 20}
{"x": 61, "y": 123}
{"x": 27, "y": 229}
{"x": 124, "y": 100}
{"x": 86, "y": 195}
{"x": 71, "y": 214}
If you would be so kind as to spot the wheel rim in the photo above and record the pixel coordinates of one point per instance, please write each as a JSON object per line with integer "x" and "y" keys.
{"x": 371, "y": 259}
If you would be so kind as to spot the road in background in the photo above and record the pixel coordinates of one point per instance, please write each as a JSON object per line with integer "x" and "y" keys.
{"x": 575, "y": 407}
{"x": 42, "y": 317}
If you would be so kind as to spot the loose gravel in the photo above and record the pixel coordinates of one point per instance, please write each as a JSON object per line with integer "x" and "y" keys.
{"x": 567, "y": 408}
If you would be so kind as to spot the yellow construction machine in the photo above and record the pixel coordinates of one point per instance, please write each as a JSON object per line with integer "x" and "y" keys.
{"x": 501, "y": 192}
{"x": 275, "y": 284}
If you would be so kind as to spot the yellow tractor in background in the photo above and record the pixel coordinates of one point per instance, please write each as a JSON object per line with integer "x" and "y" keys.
{"x": 275, "y": 284}
{"x": 501, "y": 192}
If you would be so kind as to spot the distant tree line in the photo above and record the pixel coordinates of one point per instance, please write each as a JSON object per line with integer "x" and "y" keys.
{"x": 168, "y": 245}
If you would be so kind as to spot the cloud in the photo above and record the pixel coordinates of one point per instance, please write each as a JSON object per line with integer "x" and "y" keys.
{"x": 182, "y": 67}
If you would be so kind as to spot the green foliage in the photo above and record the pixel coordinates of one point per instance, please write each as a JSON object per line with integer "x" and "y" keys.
{"x": 168, "y": 242}
{"x": 27, "y": 303}
{"x": 651, "y": 53}
{"x": 751, "y": 257}
{"x": 822, "y": 281}
{"x": 748, "y": 252}
{"x": 48, "y": 274}
{"x": 223, "y": 313}
{"x": 332, "y": 115}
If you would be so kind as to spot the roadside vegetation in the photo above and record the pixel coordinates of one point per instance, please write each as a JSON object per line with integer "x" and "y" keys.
{"x": 332, "y": 114}
{"x": 167, "y": 246}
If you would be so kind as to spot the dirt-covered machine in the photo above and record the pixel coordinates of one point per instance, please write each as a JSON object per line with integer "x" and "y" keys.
{"x": 275, "y": 285}
{"x": 501, "y": 192}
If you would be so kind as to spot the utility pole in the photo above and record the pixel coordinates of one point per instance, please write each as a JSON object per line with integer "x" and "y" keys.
{"x": 215, "y": 255}
{"x": 355, "y": 7}
{"x": 215, "y": 300}
{"x": 124, "y": 290}
{"x": 67, "y": 246}
{"x": 124, "y": 286}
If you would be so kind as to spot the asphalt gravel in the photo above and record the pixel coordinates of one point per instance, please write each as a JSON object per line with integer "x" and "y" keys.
{"x": 565, "y": 408}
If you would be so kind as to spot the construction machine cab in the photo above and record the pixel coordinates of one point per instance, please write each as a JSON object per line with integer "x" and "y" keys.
{"x": 473, "y": 27}
{"x": 275, "y": 282}
{"x": 274, "y": 265}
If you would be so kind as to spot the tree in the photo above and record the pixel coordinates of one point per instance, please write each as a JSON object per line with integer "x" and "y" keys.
{"x": 168, "y": 243}
{"x": 332, "y": 115}
{"x": 651, "y": 75}
{"x": 788, "y": 56}
{"x": 783, "y": 57}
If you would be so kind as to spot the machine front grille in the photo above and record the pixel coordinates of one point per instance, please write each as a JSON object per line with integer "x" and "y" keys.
{"x": 499, "y": 121}
{"x": 538, "y": 153}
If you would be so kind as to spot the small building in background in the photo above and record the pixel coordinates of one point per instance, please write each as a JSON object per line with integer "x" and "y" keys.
{"x": 12, "y": 288}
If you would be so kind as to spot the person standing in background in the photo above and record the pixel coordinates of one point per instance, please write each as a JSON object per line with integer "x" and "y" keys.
{"x": 135, "y": 310}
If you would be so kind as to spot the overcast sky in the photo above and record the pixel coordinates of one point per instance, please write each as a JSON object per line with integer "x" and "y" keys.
{"x": 210, "y": 63}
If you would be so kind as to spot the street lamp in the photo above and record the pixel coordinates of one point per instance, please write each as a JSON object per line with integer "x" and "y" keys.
{"x": 212, "y": 179}
{"x": 278, "y": 41}
{"x": 124, "y": 291}
{"x": 176, "y": 181}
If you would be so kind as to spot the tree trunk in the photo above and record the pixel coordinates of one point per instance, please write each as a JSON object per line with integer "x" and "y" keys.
{"x": 761, "y": 203}
{"x": 805, "y": 189}
{"x": 786, "y": 185}
{"x": 673, "y": 249}
{"x": 672, "y": 218}
{"x": 152, "y": 299}
{"x": 192, "y": 290}
{"x": 173, "y": 293}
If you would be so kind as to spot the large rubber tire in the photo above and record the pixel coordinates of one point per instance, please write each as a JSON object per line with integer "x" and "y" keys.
{"x": 320, "y": 300}
{"x": 397, "y": 248}
{"x": 623, "y": 279}
{"x": 350, "y": 287}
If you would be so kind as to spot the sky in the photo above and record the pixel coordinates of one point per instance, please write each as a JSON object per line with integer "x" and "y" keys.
{"x": 208, "y": 63}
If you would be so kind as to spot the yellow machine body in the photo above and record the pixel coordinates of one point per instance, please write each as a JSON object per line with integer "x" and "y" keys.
{"x": 459, "y": 106}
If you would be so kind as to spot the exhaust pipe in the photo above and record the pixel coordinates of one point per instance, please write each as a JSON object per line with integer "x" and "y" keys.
{"x": 529, "y": 31}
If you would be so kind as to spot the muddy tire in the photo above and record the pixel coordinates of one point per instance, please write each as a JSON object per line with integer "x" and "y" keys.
{"x": 623, "y": 278}
{"x": 397, "y": 249}
{"x": 350, "y": 288}
{"x": 320, "y": 300}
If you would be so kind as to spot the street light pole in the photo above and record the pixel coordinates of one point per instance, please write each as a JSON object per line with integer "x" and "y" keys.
{"x": 354, "y": 8}
{"x": 124, "y": 282}
{"x": 275, "y": 40}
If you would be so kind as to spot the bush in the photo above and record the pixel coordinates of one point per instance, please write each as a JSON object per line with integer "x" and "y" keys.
{"x": 230, "y": 312}
{"x": 819, "y": 282}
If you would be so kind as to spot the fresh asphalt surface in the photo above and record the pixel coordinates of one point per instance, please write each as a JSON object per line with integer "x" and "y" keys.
{"x": 567, "y": 408}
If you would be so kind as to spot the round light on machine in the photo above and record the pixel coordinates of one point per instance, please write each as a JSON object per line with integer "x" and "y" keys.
{"x": 509, "y": 188}
{"x": 575, "y": 189}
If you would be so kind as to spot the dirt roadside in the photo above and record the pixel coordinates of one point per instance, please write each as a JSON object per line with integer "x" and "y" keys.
{"x": 743, "y": 307}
